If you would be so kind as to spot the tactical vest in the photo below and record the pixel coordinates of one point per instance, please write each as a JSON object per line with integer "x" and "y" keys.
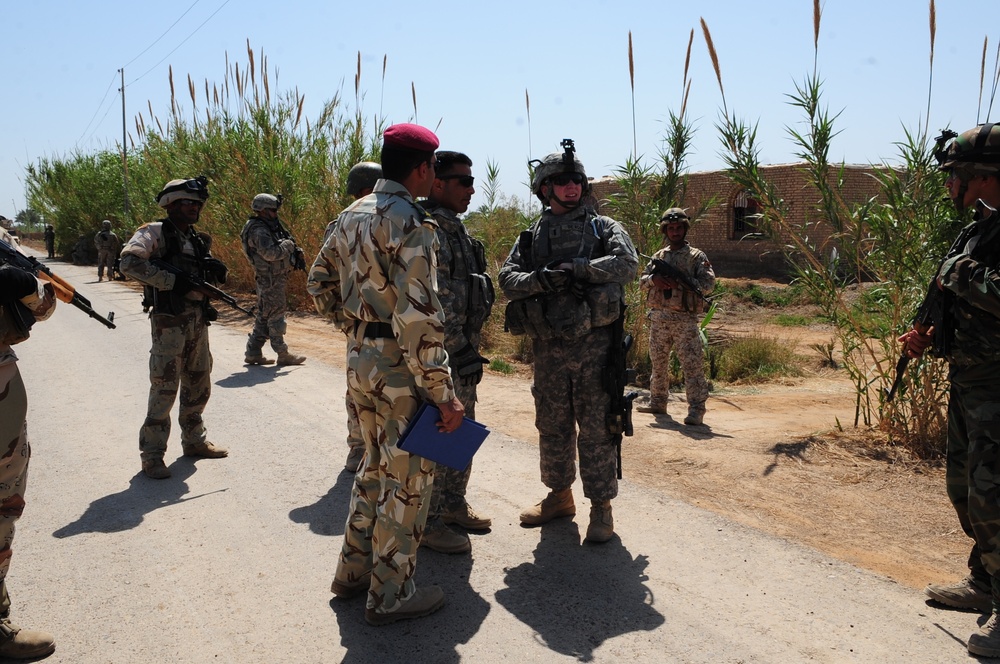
{"x": 974, "y": 333}
{"x": 168, "y": 302}
{"x": 571, "y": 313}
{"x": 468, "y": 263}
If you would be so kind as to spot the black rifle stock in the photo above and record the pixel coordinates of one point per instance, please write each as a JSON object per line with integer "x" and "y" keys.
{"x": 664, "y": 269}
{"x": 617, "y": 378}
{"x": 64, "y": 290}
{"x": 202, "y": 285}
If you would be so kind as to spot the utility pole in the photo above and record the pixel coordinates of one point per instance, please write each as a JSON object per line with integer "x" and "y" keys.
{"x": 124, "y": 151}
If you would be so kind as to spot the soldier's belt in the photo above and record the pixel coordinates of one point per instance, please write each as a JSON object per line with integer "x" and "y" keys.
{"x": 375, "y": 330}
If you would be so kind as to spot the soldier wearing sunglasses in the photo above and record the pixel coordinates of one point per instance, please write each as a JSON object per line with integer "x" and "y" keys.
{"x": 466, "y": 294}
{"x": 565, "y": 278}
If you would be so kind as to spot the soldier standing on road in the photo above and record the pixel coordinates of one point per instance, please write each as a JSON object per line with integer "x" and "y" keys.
{"x": 273, "y": 254}
{"x": 380, "y": 260}
{"x": 565, "y": 278}
{"x": 361, "y": 181}
{"x": 466, "y": 294}
{"x": 21, "y": 294}
{"x": 969, "y": 338}
{"x": 674, "y": 315}
{"x": 107, "y": 248}
{"x": 50, "y": 240}
{"x": 179, "y": 317}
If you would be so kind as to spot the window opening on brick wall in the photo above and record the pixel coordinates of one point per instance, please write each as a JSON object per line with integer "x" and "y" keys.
{"x": 746, "y": 215}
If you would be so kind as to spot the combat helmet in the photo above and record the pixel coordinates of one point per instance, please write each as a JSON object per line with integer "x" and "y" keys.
{"x": 973, "y": 152}
{"x": 363, "y": 175}
{"x": 106, "y": 224}
{"x": 194, "y": 189}
{"x": 674, "y": 215}
{"x": 555, "y": 163}
{"x": 265, "y": 202}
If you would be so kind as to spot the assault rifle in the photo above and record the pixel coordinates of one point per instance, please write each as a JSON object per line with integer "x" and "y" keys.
{"x": 664, "y": 269}
{"x": 298, "y": 256}
{"x": 64, "y": 290}
{"x": 617, "y": 377}
{"x": 202, "y": 285}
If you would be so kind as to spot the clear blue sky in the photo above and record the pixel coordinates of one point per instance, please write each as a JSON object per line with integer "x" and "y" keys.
{"x": 471, "y": 63}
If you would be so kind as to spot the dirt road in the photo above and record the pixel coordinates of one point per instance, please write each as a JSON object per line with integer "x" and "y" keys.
{"x": 230, "y": 560}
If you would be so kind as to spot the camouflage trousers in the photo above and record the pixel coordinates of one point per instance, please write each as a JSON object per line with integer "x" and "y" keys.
{"x": 678, "y": 332}
{"x": 105, "y": 259}
{"x": 13, "y": 467}
{"x": 973, "y": 467}
{"x": 179, "y": 359}
{"x": 355, "y": 439}
{"x": 270, "y": 321}
{"x": 569, "y": 393}
{"x": 449, "y": 484}
{"x": 392, "y": 489}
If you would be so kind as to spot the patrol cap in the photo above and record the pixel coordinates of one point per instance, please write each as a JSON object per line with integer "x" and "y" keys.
{"x": 195, "y": 189}
{"x": 265, "y": 202}
{"x": 408, "y": 136}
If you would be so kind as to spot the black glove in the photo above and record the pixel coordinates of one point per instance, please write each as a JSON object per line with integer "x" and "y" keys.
{"x": 182, "y": 284}
{"x": 553, "y": 280}
{"x": 16, "y": 283}
{"x": 298, "y": 259}
{"x": 467, "y": 365}
{"x": 216, "y": 270}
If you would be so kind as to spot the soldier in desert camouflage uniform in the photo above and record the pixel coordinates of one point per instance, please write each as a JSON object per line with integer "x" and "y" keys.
{"x": 379, "y": 260}
{"x": 361, "y": 181}
{"x": 107, "y": 248}
{"x": 273, "y": 254}
{"x": 565, "y": 278}
{"x": 180, "y": 357}
{"x": 18, "y": 290}
{"x": 967, "y": 335}
{"x": 674, "y": 314}
{"x": 467, "y": 295}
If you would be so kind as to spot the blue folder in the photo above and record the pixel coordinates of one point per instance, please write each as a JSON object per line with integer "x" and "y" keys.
{"x": 455, "y": 449}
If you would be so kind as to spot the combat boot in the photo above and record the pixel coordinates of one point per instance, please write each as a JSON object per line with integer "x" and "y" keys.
{"x": 286, "y": 359}
{"x": 257, "y": 359}
{"x": 439, "y": 537}
{"x": 695, "y": 416}
{"x": 155, "y": 469}
{"x": 423, "y": 602}
{"x": 553, "y": 506}
{"x": 206, "y": 450}
{"x": 656, "y": 409}
{"x": 964, "y": 595}
{"x": 17, "y": 643}
{"x": 467, "y": 518}
{"x": 354, "y": 458}
{"x": 602, "y": 524}
{"x": 349, "y": 589}
{"x": 986, "y": 642}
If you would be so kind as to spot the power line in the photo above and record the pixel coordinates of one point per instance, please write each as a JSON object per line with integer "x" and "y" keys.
{"x": 163, "y": 35}
{"x": 98, "y": 109}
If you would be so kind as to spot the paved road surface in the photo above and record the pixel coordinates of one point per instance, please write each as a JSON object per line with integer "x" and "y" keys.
{"x": 231, "y": 560}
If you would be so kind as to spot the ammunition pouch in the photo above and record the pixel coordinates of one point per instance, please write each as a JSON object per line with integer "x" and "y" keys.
{"x": 605, "y": 302}
{"x": 551, "y": 316}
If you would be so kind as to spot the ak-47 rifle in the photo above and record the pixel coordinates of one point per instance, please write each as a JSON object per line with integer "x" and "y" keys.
{"x": 202, "y": 285}
{"x": 617, "y": 378}
{"x": 664, "y": 269}
{"x": 64, "y": 290}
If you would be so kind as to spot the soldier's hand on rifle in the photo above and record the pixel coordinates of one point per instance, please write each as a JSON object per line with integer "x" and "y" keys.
{"x": 663, "y": 283}
{"x": 452, "y": 413}
{"x": 216, "y": 269}
{"x": 916, "y": 342}
{"x": 553, "y": 280}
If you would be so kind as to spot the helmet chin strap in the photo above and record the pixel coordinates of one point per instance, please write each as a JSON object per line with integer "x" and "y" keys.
{"x": 566, "y": 204}
{"x": 959, "y": 200}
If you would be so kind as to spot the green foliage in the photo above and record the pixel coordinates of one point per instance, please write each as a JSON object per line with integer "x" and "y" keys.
{"x": 501, "y": 366}
{"x": 756, "y": 359}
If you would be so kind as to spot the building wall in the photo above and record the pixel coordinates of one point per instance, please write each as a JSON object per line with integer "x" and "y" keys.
{"x": 752, "y": 255}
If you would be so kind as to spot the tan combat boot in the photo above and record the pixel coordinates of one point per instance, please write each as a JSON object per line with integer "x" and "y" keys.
{"x": 423, "y": 602}
{"x": 602, "y": 525}
{"x": 257, "y": 359}
{"x": 155, "y": 469}
{"x": 286, "y": 359}
{"x": 17, "y": 643}
{"x": 206, "y": 450}
{"x": 553, "y": 506}
{"x": 439, "y": 537}
{"x": 695, "y": 417}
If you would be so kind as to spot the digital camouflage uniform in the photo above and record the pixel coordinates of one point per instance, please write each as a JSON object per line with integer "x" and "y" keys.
{"x": 972, "y": 282}
{"x": 107, "y": 248}
{"x": 674, "y": 317}
{"x": 380, "y": 262}
{"x": 180, "y": 357}
{"x": 571, "y": 334}
{"x": 466, "y": 295}
{"x": 269, "y": 248}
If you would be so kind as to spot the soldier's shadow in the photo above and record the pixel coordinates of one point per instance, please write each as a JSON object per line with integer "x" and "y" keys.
{"x": 252, "y": 375}
{"x": 575, "y": 597}
{"x": 127, "y": 509}
{"x": 699, "y": 432}
{"x": 433, "y": 639}
{"x": 327, "y": 515}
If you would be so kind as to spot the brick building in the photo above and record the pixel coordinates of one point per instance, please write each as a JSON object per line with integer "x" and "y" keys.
{"x": 727, "y": 232}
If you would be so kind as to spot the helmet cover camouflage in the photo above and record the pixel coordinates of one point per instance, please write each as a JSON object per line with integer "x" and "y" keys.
{"x": 974, "y": 152}
{"x": 265, "y": 202}
{"x": 674, "y": 215}
{"x": 194, "y": 189}
{"x": 106, "y": 224}
{"x": 554, "y": 164}
{"x": 363, "y": 175}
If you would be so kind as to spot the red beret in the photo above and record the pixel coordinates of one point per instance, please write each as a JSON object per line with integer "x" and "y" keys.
{"x": 411, "y": 137}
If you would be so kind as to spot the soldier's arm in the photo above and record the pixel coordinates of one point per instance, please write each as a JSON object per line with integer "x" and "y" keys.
{"x": 323, "y": 284}
{"x": 620, "y": 262}
{"x": 453, "y": 296}
{"x": 262, "y": 240}
{"x": 704, "y": 274}
{"x": 517, "y": 279}
{"x": 135, "y": 260}
{"x": 973, "y": 281}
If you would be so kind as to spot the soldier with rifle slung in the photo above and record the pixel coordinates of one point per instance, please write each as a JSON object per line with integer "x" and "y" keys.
{"x": 675, "y": 281}
{"x": 565, "y": 279}
{"x": 180, "y": 313}
{"x": 964, "y": 328}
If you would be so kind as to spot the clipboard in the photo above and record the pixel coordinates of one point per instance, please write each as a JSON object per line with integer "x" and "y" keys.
{"x": 455, "y": 449}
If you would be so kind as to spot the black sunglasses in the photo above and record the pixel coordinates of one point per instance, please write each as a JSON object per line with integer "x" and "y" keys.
{"x": 464, "y": 180}
{"x": 563, "y": 179}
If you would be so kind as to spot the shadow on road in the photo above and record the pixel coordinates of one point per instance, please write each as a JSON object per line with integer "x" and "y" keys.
{"x": 575, "y": 597}
{"x": 432, "y": 639}
{"x": 327, "y": 515}
{"x": 701, "y": 432}
{"x": 127, "y": 509}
